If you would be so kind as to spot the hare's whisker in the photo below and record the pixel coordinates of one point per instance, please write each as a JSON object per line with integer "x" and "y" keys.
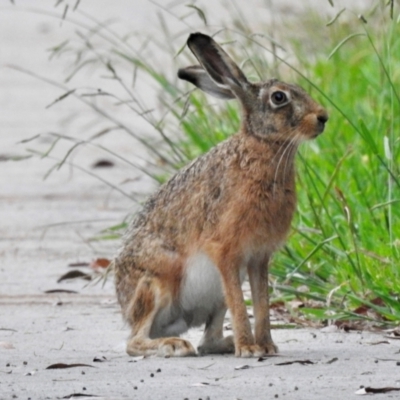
{"x": 288, "y": 147}
{"x": 290, "y": 157}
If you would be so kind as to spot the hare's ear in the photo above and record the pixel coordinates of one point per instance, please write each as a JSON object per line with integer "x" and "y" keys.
{"x": 197, "y": 75}
{"x": 218, "y": 65}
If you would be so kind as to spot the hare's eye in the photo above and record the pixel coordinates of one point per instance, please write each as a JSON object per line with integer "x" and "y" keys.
{"x": 279, "y": 98}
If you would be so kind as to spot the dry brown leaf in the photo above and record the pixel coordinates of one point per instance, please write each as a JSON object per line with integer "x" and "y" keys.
{"x": 100, "y": 263}
{"x": 59, "y": 291}
{"x": 302, "y": 362}
{"x": 63, "y": 366}
{"x": 103, "y": 164}
{"x": 367, "y": 390}
{"x": 73, "y": 275}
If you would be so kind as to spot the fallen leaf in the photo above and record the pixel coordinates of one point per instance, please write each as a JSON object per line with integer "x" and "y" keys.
{"x": 103, "y": 164}
{"x": 367, "y": 390}
{"x": 277, "y": 304}
{"x": 365, "y": 309}
{"x": 100, "y": 263}
{"x": 242, "y": 367}
{"x": 71, "y": 396}
{"x": 332, "y": 360}
{"x": 348, "y": 326}
{"x": 393, "y": 332}
{"x": 369, "y": 310}
{"x": 263, "y": 358}
{"x": 99, "y": 359}
{"x": 73, "y": 275}
{"x": 387, "y": 359}
{"x": 63, "y": 366}
{"x": 60, "y": 291}
{"x": 380, "y": 342}
{"x": 200, "y": 384}
{"x": 302, "y": 362}
{"x": 295, "y": 304}
{"x": 393, "y": 335}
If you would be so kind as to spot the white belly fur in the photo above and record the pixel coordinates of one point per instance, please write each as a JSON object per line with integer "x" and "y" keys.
{"x": 201, "y": 290}
{"x": 201, "y": 295}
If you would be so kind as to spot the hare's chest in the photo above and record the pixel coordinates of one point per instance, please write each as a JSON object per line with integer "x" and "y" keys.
{"x": 270, "y": 215}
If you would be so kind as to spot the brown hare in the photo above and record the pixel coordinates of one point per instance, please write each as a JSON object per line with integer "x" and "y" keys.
{"x": 217, "y": 220}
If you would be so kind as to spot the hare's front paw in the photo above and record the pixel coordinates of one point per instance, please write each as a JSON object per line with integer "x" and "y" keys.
{"x": 255, "y": 350}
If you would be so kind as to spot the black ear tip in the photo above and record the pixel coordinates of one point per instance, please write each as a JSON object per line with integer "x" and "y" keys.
{"x": 198, "y": 37}
{"x": 184, "y": 74}
{"x": 181, "y": 73}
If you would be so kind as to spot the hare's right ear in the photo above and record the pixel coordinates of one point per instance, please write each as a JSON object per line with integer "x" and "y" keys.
{"x": 197, "y": 75}
{"x": 224, "y": 76}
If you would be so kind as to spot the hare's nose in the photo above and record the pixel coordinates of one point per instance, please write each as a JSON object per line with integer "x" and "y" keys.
{"x": 323, "y": 117}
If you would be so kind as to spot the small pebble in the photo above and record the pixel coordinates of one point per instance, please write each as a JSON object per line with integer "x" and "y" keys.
{"x": 84, "y": 388}
{"x": 135, "y": 387}
{"x": 159, "y": 370}
{"x": 142, "y": 380}
{"x": 151, "y": 375}
{"x": 83, "y": 372}
{"x": 296, "y": 388}
{"x": 25, "y": 363}
{"x": 398, "y": 363}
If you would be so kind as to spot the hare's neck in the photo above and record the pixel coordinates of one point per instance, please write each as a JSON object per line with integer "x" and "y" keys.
{"x": 281, "y": 155}
{"x": 280, "y": 164}
{"x": 271, "y": 161}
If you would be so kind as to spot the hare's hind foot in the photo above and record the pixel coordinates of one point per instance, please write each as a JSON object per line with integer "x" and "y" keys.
{"x": 162, "y": 347}
{"x": 155, "y": 322}
{"x": 223, "y": 345}
{"x": 255, "y": 350}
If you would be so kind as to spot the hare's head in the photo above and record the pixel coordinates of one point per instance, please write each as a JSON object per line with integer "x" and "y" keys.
{"x": 272, "y": 110}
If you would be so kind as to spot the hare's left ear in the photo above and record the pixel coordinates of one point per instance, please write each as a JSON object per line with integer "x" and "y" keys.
{"x": 222, "y": 71}
{"x": 197, "y": 75}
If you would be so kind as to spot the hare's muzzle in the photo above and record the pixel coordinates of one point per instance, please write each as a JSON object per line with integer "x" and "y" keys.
{"x": 322, "y": 117}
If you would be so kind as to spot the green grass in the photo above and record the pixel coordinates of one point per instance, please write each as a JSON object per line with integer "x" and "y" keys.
{"x": 344, "y": 249}
{"x": 347, "y": 230}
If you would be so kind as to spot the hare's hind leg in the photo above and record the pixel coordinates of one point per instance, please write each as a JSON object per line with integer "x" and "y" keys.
{"x": 213, "y": 340}
{"x": 145, "y": 306}
{"x": 258, "y": 277}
